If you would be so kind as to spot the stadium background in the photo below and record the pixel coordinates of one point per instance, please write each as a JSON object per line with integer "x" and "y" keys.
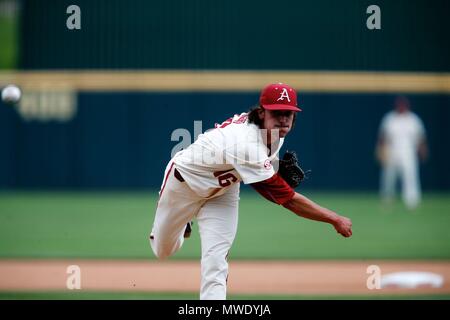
{"x": 83, "y": 155}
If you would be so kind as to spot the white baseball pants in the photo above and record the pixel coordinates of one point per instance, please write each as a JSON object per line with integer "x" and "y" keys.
{"x": 217, "y": 219}
{"x": 407, "y": 169}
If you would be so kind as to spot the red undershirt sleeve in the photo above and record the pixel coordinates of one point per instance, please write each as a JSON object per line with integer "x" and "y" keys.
{"x": 274, "y": 189}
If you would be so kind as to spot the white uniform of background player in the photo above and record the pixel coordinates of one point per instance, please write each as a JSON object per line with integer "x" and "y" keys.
{"x": 401, "y": 140}
{"x": 202, "y": 182}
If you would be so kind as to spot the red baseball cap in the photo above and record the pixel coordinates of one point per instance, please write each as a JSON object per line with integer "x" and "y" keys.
{"x": 279, "y": 96}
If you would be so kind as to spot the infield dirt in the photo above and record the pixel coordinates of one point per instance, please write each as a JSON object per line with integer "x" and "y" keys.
{"x": 245, "y": 277}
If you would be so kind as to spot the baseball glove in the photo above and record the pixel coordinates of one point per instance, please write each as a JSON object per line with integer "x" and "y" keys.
{"x": 290, "y": 170}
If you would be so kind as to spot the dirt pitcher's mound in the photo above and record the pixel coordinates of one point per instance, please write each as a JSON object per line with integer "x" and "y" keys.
{"x": 245, "y": 277}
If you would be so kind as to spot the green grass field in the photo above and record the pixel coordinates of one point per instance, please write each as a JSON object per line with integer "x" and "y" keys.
{"x": 116, "y": 225}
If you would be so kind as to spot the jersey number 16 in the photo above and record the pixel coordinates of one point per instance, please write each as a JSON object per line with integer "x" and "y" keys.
{"x": 225, "y": 178}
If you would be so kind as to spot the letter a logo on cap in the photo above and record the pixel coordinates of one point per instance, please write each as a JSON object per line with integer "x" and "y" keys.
{"x": 284, "y": 94}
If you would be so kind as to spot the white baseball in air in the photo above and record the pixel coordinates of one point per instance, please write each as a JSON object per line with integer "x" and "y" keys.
{"x": 11, "y": 94}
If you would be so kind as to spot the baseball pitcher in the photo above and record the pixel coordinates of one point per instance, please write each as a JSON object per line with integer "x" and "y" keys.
{"x": 202, "y": 182}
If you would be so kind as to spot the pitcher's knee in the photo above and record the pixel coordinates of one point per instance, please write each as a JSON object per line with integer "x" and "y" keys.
{"x": 162, "y": 255}
{"x": 163, "y": 250}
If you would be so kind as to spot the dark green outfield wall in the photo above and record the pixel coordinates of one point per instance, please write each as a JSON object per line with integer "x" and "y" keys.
{"x": 123, "y": 140}
{"x": 236, "y": 34}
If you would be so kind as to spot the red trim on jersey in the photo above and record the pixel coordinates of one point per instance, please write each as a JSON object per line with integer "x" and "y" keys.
{"x": 275, "y": 189}
{"x": 165, "y": 180}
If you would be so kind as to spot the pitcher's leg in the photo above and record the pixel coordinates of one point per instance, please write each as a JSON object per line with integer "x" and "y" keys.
{"x": 166, "y": 237}
{"x": 217, "y": 221}
{"x": 177, "y": 206}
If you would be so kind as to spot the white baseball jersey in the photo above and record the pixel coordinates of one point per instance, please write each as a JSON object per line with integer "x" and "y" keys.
{"x": 402, "y": 133}
{"x": 232, "y": 152}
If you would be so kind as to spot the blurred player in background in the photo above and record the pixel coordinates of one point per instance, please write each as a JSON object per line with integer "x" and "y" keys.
{"x": 401, "y": 142}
